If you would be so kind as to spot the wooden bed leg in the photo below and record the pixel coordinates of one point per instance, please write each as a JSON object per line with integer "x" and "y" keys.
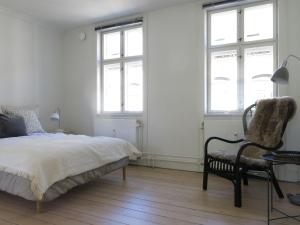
{"x": 124, "y": 173}
{"x": 38, "y": 207}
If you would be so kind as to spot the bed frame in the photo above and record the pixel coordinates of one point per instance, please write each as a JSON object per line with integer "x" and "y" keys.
{"x": 60, "y": 187}
{"x": 38, "y": 204}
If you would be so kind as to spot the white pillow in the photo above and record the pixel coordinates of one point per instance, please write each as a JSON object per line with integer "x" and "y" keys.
{"x": 31, "y": 120}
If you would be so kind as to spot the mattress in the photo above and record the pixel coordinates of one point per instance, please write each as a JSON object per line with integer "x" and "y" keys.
{"x": 42, "y": 167}
{"x": 20, "y": 186}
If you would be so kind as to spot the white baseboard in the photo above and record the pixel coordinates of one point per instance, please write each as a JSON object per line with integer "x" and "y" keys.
{"x": 290, "y": 173}
{"x": 170, "y": 162}
{"x": 284, "y": 173}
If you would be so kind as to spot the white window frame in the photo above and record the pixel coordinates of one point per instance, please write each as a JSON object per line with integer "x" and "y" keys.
{"x": 240, "y": 46}
{"x": 122, "y": 60}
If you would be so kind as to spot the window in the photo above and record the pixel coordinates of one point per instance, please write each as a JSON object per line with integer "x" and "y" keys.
{"x": 121, "y": 71}
{"x": 241, "y": 56}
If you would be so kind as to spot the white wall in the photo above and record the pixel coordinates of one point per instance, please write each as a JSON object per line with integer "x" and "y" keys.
{"x": 174, "y": 61}
{"x": 39, "y": 65}
{"x": 30, "y": 64}
{"x": 293, "y": 37}
{"x": 80, "y": 81}
{"x": 289, "y": 36}
{"x": 175, "y": 81}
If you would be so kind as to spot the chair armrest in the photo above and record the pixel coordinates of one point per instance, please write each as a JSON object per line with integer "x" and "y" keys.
{"x": 249, "y": 143}
{"x": 220, "y": 139}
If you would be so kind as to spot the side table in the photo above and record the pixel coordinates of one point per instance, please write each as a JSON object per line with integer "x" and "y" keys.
{"x": 274, "y": 161}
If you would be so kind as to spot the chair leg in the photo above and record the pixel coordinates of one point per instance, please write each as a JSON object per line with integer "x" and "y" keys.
{"x": 205, "y": 179}
{"x": 276, "y": 185}
{"x": 238, "y": 193}
{"x": 245, "y": 179}
{"x": 205, "y": 176}
{"x": 245, "y": 176}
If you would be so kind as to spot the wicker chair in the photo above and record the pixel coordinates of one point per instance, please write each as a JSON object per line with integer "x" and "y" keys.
{"x": 234, "y": 166}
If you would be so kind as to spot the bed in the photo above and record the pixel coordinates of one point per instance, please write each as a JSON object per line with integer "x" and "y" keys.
{"x": 42, "y": 167}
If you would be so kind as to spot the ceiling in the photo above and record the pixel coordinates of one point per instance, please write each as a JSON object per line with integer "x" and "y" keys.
{"x": 71, "y": 13}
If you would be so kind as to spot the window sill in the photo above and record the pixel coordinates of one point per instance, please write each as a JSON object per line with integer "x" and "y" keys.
{"x": 120, "y": 116}
{"x": 237, "y": 115}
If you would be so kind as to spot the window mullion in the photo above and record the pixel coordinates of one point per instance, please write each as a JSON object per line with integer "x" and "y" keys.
{"x": 240, "y": 25}
{"x": 101, "y": 88}
{"x": 122, "y": 88}
{"x": 122, "y": 43}
{"x": 122, "y": 73}
{"x": 101, "y": 74}
{"x": 241, "y": 79}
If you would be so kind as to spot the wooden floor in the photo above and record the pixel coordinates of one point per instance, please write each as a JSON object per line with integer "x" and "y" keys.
{"x": 149, "y": 196}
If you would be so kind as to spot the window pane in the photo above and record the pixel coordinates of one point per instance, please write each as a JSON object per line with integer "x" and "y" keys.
{"x": 134, "y": 86}
{"x": 111, "y": 45}
{"x": 133, "y": 42}
{"x": 258, "y": 22}
{"x": 224, "y": 81}
{"x": 112, "y": 88}
{"x": 259, "y": 65}
{"x": 224, "y": 27}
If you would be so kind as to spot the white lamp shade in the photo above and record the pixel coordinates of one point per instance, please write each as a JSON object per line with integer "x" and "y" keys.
{"x": 55, "y": 116}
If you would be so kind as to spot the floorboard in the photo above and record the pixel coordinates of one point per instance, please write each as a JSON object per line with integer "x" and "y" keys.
{"x": 148, "y": 197}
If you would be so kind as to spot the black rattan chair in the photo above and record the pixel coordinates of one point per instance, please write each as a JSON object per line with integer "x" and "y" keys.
{"x": 234, "y": 166}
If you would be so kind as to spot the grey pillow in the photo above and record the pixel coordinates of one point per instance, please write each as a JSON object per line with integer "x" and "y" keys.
{"x": 12, "y": 126}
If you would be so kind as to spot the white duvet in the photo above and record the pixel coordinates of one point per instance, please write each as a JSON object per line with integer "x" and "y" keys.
{"x": 46, "y": 159}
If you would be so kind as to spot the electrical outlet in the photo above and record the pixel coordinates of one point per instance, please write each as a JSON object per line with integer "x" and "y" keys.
{"x": 235, "y": 135}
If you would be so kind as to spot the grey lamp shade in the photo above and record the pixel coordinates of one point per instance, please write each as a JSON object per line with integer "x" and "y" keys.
{"x": 281, "y": 76}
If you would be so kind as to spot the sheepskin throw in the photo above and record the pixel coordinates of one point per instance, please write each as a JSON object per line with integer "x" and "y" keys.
{"x": 268, "y": 123}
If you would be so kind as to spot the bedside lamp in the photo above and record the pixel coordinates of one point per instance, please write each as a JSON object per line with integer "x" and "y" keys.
{"x": 56, "y": 117}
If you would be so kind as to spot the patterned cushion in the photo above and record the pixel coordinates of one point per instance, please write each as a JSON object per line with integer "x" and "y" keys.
{"x": 30, "y": 117}
{"x": 231, "y": 156}
{"x": 7, "y": 108}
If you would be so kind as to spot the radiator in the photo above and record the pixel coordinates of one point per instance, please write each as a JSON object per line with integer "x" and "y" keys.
{"x": 130, "y": 130}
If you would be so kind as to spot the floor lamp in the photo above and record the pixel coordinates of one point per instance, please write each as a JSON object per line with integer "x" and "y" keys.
{"x": 281, "y": 76}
